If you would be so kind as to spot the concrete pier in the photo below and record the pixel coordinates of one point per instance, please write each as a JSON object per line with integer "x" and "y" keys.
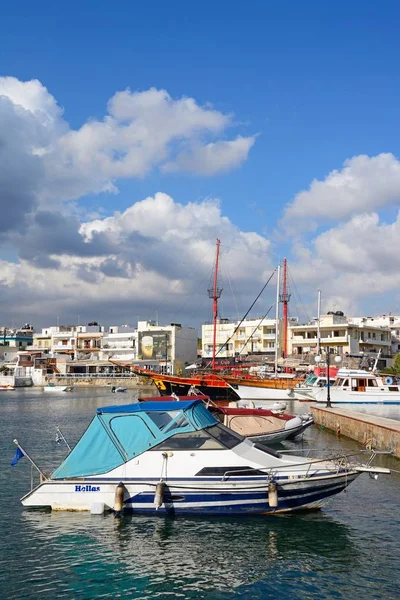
{"x": 372, "y": 432}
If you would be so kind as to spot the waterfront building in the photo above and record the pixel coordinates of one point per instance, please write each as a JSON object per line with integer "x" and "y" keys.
{"x": 254, "y": 336}
{"x": 341, "y": 334}
{"x": 88, "y": 341}
{"x": 119, "y": 343}
{"x": 172, "y": 346}
{"x": 18, "y": 338}
{"x": 391, "y": 322}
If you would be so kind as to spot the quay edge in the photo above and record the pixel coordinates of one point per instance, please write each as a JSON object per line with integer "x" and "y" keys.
{"x": 373, "y": 432}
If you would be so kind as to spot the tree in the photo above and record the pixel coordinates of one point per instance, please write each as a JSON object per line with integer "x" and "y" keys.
{"x": 395, "y": 369}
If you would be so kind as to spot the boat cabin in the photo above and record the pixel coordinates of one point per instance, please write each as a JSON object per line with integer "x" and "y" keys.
{"x": 364, "y": 381}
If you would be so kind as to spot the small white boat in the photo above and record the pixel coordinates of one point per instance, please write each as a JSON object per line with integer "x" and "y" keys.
{"x": 51, "y": 387}
{"x": 356, "y": 386}
{"x": 6, "y": 388}
{"x": 305, "y": 391}
{"x": 118, "y": 389}
{"x": 176, "y": 458}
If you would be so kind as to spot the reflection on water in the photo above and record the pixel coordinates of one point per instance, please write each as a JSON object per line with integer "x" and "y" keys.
{"x": 188, "y": 555}
{"x": 350, "y": 550}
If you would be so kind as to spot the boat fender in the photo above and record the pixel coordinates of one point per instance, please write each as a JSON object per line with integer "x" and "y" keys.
{"x": 272, "y": 495}
{"x": 388, "y": 380}
{"x": 159, "y": 494}
{"x": 290, "y": 392}
{"x": 119, "y": 499}
{"x": 292, "y": 423}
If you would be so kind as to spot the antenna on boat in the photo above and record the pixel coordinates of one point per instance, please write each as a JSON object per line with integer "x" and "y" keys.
{"x": 376, "y": 361}
{"x": 215, "y": 293}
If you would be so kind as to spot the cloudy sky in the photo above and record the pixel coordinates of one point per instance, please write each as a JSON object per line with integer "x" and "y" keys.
{"x": 132, "y": 137}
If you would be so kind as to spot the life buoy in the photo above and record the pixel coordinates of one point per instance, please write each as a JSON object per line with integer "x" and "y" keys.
{"x": 388, "y": 380}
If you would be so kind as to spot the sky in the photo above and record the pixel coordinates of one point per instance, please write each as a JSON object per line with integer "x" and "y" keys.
{"x": 134, "y": 135}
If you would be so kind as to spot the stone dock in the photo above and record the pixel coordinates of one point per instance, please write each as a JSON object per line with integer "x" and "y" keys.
{"x": 372, "y": 432}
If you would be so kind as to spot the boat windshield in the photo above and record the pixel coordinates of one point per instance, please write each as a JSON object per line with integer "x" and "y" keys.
{"x": 217, "y": 437}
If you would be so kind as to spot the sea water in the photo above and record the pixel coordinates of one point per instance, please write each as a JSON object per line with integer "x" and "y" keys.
{"x": 348, "y": 550}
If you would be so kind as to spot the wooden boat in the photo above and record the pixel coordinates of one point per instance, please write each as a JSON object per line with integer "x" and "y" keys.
{"x": 206, "y": 384}
{"x": 251, "y": 387}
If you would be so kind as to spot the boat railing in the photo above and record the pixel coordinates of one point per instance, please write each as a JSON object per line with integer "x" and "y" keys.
{"x": 92, "y": 375}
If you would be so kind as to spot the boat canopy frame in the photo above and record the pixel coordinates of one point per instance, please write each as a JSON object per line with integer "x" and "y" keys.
{"x": 118, "y": 434}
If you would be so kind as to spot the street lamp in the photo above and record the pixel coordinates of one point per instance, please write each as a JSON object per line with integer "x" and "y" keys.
{"x": 318, "y": 359}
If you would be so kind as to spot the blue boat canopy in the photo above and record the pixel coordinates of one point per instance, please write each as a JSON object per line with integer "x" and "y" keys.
{"x": 119, "y": 433}
{"x": 146, "y": 407}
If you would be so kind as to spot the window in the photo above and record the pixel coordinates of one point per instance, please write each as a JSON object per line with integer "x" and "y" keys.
{"x": 164, "y": 420}
{"x": 241, "y": 471}
{"x": 194, "y": 440}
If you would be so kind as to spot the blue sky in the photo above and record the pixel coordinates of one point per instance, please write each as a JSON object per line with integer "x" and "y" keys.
{"x": 316, "y": 82}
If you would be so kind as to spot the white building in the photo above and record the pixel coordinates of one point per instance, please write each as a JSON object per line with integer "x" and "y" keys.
{"x": 252, "y": 336}
{"x": 391, "y": 322}
{"x": 119, "y": 343}
{"x": 341, "y": 335}
{"x": 171, "y": 346}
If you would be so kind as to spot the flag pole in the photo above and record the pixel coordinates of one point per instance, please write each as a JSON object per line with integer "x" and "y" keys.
{"x": 63, "y": 438}
{"x": 16, "y": 442}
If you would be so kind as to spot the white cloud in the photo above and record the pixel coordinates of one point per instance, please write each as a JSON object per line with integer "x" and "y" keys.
{"x": 141, "y": 131}
{"x": 364, "y": 184}
{"x": 356, "y": 264}
{"x": 157, "y": 252}
{"x": 212, "y": 158}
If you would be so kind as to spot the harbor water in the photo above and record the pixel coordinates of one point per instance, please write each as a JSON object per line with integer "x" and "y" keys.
{"x": 348, "y": 550}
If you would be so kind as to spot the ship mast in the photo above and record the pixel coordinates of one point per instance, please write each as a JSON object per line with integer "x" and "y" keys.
{"x": 215, "y": 293}
{"x": 285, "y": 297}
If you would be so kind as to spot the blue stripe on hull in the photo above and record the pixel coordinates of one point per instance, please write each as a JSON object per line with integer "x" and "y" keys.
{"x": 287, "y": 500}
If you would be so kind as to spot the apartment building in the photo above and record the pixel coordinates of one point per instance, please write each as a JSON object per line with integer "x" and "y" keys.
{"x": 235, "y": 338}
{"x": 341, "y": 335}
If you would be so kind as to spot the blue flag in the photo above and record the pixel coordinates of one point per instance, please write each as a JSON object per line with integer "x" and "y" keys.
{"x": 18, "y": 454}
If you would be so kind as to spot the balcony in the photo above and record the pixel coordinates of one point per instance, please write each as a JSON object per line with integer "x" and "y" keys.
{"x": 62, "y": 347}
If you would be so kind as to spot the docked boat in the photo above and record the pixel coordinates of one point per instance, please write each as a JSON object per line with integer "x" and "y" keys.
{"x": 254, "y": 388}
{"x": 356, "y": 386}
{"x": 177, "y": 458}
{"x": 7, "y": 388}
{"x": 259, "y": 425}
{"x": 208, "y": 384}
{"x": 118, "y": 390}
{"x": 51, "y": 387}
{"x": 312, "y": 383}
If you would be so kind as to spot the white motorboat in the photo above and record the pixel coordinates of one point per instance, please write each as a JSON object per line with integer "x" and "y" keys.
{"x": 51, "y": 387}
{"x": 305, "y": 391}
{"x": 176, "y": 458}
{"x": 356, "y": 386}
{"x": 119, "y": 389}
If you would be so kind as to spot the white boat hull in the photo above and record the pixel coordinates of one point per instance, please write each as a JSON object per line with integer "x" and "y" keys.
{"x": 247, "y": 392}
{"x": 349, "y": 397}
{"x": 57, "y": 388}
{"x": 192, "y": 496}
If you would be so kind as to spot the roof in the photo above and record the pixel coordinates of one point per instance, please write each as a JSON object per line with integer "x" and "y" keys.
{"x": 147, "y": 407}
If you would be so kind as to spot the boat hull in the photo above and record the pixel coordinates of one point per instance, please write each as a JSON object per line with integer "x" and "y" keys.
{"x": 247, "y": 392}
{"x": 215, "y": 393}
{"x": 348, "y": 397}
{"x": 192, "y": 497}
